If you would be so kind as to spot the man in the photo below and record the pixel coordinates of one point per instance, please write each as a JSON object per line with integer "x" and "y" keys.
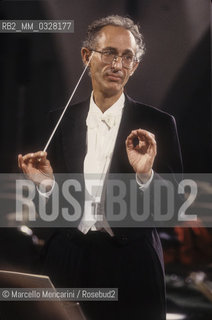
{"x": 99, "y": 136}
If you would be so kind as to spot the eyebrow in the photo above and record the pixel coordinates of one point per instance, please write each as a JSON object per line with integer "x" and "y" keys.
{"x": 116, "y": 51}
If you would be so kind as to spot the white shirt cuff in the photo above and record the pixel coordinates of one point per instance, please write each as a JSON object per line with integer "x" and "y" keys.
{"x": 42, "y": 187}
{"x": 143, "y": 186}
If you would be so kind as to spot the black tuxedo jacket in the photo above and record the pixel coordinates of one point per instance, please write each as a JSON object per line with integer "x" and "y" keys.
{"x": 68, "y": 149}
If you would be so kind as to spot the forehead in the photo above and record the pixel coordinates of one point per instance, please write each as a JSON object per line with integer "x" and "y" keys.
{"x": 116, "y": 37}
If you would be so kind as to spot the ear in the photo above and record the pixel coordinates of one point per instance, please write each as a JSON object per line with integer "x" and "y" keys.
{"x": 85, "y": 53}
{"x": 134, "y": 68}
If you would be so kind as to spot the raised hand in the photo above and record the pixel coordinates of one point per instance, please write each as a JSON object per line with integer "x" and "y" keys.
{"x": 36, "y": 166}
{"x": 141, "y": 156}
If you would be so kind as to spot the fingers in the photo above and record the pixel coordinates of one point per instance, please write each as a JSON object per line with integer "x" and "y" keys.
{"x": 146, "y": 142}
{"x": 20, "y": 158}
{"x": 142, "y": 135}
{"x": 129, "y": 141}
{"x": 35, "y": 156}
{"x": 28, "y": 158}
{"x": 150, "y": 140}
{"x": 21, "y": 163}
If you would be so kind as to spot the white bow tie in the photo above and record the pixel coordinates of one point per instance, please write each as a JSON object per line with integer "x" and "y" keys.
{"x": 93, "y": 120}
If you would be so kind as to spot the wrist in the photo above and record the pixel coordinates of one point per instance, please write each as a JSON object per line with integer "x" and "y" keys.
{"x": 144, "y": 176}
{"x": 46, "y": 184}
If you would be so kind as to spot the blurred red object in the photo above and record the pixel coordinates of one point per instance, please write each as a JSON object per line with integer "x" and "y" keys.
{"x": 195, "y": 246}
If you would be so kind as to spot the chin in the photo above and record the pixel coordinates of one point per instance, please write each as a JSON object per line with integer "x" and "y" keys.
{"x": 114, "y": 88}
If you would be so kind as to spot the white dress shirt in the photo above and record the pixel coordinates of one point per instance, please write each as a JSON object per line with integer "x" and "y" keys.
{"x": 102, "y": 130}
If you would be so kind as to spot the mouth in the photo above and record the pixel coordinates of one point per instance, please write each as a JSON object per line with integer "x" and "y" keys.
{"x": 113, "y": 77}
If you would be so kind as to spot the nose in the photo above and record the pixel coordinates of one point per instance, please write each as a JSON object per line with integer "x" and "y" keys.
{"x": 117, "y": 63}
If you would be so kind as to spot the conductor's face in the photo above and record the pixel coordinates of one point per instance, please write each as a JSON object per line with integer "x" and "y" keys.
{"x": 114, "y": 62}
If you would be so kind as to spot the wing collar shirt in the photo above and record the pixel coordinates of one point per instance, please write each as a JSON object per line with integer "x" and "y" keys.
{"x": 102, "y": 130}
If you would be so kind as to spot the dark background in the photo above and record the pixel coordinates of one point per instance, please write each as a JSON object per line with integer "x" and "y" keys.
{"x": 39, "y": 71}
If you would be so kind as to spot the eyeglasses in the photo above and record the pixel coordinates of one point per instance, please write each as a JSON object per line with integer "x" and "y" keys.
{"x": 109, "y": 57}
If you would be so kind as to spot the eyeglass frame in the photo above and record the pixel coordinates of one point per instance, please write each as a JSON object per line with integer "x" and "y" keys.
{"x": 115, "y": 57}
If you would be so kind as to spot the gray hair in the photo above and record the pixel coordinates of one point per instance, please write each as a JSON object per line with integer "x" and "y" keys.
{"x": 115, "y": 20}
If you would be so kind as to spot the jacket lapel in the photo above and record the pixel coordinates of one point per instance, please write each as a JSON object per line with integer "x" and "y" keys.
{"x": 74, "y": 137}
{"x": 120, "y": 163}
